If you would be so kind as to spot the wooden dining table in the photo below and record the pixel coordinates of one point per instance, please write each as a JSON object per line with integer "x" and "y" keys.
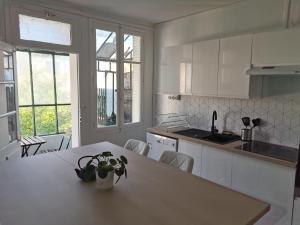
{"x": 44, "y": 190}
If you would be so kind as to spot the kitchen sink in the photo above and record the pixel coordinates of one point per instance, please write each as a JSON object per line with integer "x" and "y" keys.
{"x": 222, "y": 138}
{"x": 208, "y": 136}
{"x": 194, "y": 133}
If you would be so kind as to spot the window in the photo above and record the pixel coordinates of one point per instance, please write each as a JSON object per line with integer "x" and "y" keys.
{"x": 44, "y": 92}
{"x": 107, "y": 63}
{"x": 44, "y": 30}
{"x": 8, "y": 119}
{"x": 132, "y": 78}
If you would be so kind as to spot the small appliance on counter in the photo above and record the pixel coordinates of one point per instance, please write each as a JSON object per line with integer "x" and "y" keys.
{"x": 246, "y": 133}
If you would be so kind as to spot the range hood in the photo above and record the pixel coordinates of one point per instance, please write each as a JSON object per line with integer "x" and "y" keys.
{"x": 273, "y": 70}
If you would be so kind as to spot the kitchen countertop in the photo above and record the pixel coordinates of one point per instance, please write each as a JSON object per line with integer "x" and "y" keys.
{"x": 44, "y": 189}
{"x": 234, "y": 147}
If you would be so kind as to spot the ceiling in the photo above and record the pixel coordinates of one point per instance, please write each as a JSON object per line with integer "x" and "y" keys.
{"x": 150, "y": 11}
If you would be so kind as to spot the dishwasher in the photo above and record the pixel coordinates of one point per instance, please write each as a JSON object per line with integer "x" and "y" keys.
{"x": 158, "y": 144}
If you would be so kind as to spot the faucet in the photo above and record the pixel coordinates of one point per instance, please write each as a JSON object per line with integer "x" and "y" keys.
{"x": 213, "y": 127}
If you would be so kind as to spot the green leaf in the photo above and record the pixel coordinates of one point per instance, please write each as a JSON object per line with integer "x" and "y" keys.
{"x": 119, "y": 172}
{"x": 102, "y": 163}
{"x": 102, "y": 173}
{"x": 113, "y": 162}
{"x": 123, "y": 158}
{"x": 106, "y": 154}
{"x": 87, "y": 174}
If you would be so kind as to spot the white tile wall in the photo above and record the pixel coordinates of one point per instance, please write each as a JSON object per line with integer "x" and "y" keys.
{"x": 280, "y": 115}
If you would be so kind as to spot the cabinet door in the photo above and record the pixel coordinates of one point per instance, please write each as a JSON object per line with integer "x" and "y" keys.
{"x": 205, "y": 68}
{"x": 193, "y": 150}
{"x": 235, "y": 58}
{"x": 276, "y": 48}
{"x": 268, "y": 182}
{"x": 176, "y": 70}
{"x": 296, "y": 217}
{"x": 216, "y": 166}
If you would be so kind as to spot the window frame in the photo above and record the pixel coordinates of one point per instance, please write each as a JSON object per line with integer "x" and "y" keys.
{"x": 33, "y": 105}
{"x": 120, "y": 31}
{"x": 130, "y": 31}
{"x": 13, "y": 33}
{"x": 11, "y": 49}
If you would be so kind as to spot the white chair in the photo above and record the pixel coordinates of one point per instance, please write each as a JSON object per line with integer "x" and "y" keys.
{"x": 178, "y": 160}
{"x": 137, "y": 146}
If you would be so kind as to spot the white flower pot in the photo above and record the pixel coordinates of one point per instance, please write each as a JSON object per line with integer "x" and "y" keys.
{"x": 106, "y": 183}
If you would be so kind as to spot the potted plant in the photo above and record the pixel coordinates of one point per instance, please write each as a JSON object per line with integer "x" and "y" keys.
{"x": 101, "y": 168}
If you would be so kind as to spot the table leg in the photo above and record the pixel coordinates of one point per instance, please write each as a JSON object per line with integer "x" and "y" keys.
{"x": 37, "y": 149}
{"x": 26, "y": 150}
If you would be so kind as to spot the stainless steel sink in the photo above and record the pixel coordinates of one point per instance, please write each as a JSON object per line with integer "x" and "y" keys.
{"x": 208, "y": 136}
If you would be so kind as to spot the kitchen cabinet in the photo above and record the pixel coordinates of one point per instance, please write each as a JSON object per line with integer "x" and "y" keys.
{"x": 263, "y": 180}
{"x": 175, "y": 70}
{"x": 216, "y": 165}
{"x": 205, "y": 68}
{"x": 193, "y": 150}
{"x": 276, "y": 48}
{"x": 296, "y": 216}
{"x": 266, "y": 181}
{"x": 234, "y": 60}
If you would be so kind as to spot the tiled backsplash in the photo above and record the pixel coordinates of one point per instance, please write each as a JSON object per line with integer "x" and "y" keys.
{"x": 280, "y": 115}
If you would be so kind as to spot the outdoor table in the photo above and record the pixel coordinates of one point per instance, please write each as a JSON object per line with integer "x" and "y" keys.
{"x": 27, "y": 142}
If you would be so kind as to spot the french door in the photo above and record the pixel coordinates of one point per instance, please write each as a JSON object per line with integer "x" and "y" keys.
{"x": 116, "y": 53}
{"x": 8, "y": 103}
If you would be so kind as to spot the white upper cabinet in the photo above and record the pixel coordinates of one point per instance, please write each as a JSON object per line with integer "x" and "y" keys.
{"x": 276, "y": 48}
{"x": 234, "y": 61}
{"x": 205, "y": 68}
{"x": 176, "y": 70}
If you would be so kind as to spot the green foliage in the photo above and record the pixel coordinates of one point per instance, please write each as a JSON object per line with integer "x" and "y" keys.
{"x": 105, "y": 164}
{"x": 26, "y": 124}
{"x": 45, "y": 120}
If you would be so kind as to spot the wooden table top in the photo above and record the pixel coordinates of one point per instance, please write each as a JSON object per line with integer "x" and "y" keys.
{"x": 44, "y": 190}
{"x": 31, "y": 140}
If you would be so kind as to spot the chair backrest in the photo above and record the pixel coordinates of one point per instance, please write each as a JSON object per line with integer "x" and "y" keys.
{"x": 178, "y": 160}
{"x": 137, "y": 146}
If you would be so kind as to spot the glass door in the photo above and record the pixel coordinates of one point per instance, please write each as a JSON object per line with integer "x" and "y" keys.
{"x": 8, "y": 104}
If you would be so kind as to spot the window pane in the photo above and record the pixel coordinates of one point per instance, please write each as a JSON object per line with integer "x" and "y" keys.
{"x": 132, "y": 48}
{"x": 24, "y": 85}
{"x": 106, "y": 78}
{"x": 26, "y": 122}
{"x": 62, "y": 72}
{"x": 45, "y": 120}
{"x": 8, "y": 66}
{"x": 42, "y": 76}
{"x": 64, "y": 119}
{"x": 42, "y": 30}
{"x": 132, "y": 93}
{"x": 7, "y": 98}
{"x": 8, "y": 127}
{"x": 105, "y": 44}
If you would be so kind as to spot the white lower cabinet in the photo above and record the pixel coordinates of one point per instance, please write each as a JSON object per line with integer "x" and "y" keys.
{"x": 216, "y": 165}
{"x": 268, "y": 182}
{"x": 193, "y": 150}
{"x": 296, "y": 215}
{"x": 263, "y": 180}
